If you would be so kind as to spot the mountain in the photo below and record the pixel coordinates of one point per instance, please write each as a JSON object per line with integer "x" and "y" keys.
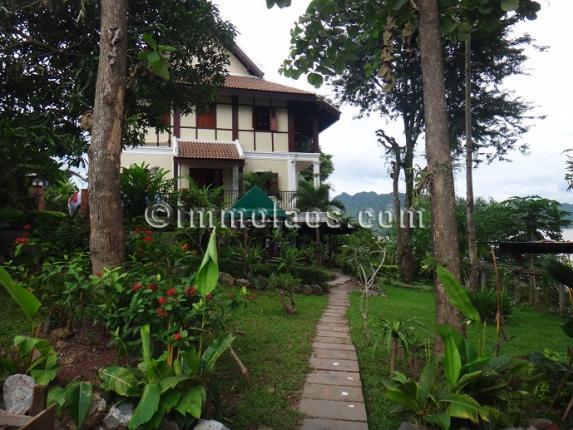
{"x": 382, "y": 202}
{"x": 367, "y": 199}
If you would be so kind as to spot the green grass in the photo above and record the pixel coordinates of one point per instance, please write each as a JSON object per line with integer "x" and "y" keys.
{"x": 528, "y": 330}
{"x": 275, "y": 348}
{"x": 12, "y": 321}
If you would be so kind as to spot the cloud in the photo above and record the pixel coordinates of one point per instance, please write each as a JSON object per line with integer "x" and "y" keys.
{"x": 359, "y": 163}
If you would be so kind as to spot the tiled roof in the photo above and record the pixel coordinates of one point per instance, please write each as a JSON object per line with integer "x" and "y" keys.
{"x": 258, "y": 84}
{"x": 206, "y": 150}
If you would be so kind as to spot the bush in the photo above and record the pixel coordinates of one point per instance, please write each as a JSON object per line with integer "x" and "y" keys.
{"x": 232, "y": 267}
{"x": 312, "y": 274}
{"x": 485, "y": 301}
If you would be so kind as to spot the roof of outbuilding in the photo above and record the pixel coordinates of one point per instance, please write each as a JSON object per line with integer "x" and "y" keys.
{"x": 208, "y": 150}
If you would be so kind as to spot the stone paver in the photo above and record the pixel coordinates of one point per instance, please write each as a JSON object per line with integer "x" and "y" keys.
{"x": 332, "y": 397}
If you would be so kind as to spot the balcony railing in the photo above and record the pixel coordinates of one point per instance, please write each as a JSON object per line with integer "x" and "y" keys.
{"x": 286, "y": 200}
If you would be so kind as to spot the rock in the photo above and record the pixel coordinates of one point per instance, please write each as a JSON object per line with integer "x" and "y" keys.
{"x": 410, "y": 426}
{"x": 543, "y": 424}
{"x": 169, "y": 425}
{"x": 60, "y": 333}
{"x": 317, "y": 290}
{"x": 307, "y": 290}
{"x": 210, "y": 425}
{"x": 227, "y": 279}
{"x": 241, "y": 282}
{"x": 18, "y": 393}
{"x": 118, "y": 416}
{"x": 96, "y": 413}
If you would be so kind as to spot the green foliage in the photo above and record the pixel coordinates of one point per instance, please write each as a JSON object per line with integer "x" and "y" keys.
{"x": 289, "y": 257}
{"x": 325, "y": 170}
{"x": 57, "y": 195}
{"x": 485, "y": 301}
{"x": 169, "y": 384}
{"x": 309, "y": 197}
{"x": 27, "y": 302}
{"x": 457, "y": 295}
{"x": 208, "y": 274}
{"x": 37, "y": 358}
{"x": 75, "y": 398}
{"x": 285, "y": 284}
{"x": 141, "y": 186}
{"x": 311, "y": 274}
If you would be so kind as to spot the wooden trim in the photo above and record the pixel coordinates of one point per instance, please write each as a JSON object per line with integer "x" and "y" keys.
{"x": 315, "y": 131}
{"x": 230, "y": 129}
{"x": 235, "y": 117}
{"x": 176, "y": 123}
{"x": 291, "y": 131}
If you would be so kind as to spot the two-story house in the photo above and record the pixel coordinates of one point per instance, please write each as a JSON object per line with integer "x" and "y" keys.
{"x": 255, "y": 125}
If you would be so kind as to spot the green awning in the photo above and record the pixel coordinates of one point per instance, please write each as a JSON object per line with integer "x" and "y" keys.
{"x": 255, "y": 203}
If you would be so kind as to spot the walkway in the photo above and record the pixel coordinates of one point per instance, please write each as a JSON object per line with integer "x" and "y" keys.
{"x": 332, "y": 397}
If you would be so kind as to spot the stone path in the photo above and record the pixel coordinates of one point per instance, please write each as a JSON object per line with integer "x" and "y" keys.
{"x": 332, "y": 396}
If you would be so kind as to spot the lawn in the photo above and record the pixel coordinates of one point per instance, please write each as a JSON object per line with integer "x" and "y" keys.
{"x": 12, "y": 321}
{"x": 276, "y": 350}
{"x": 528, "y": 330}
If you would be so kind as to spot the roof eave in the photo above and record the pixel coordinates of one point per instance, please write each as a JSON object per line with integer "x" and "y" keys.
{"x": 247, "y": 62}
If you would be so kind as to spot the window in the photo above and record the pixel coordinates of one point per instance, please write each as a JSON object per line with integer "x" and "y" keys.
{"x": 207, "y": 118}
{"x": 264, "y": 118}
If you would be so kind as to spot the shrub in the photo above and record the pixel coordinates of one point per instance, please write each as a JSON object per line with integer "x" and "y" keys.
{"x": 312, "y": 274}
{"x": 285, "y": 284}
{"x": 232, "y": 266}
{"x": 485, "y": 301}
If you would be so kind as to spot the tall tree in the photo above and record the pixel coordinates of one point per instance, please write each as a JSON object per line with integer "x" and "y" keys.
{"x": 48, "y": 54}
{"x": 442, "y": 192}
{"x": 347, "y": 49}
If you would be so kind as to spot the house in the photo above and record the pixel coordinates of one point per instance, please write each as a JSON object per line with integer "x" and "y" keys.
{"x": 255, "y": 125}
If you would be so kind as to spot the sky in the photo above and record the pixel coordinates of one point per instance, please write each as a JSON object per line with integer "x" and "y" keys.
{"x": 359, "y": 163}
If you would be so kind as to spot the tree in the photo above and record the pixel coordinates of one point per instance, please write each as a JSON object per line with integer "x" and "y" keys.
{"x": 341, "y": 42}
{"x": 48, "y": 54}
{"x": 106, "y": 232}
{"x": 326, "y": 168}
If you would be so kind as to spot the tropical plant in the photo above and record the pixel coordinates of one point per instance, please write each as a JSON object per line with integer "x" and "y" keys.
{"x": 75, "y": 398}
{"x": 396, "y": 334}
{"x": 285, "y": 284}
{"x": 289, "y": 257}
{"x": 264, "y": 180}
{"x": 26, "y": 301}
{"x": 142, "y": 185}
{"x": 37, "y": 358}
{"x": 310, "y": 197}
{"x": 174, "y": 383}
{"x": 249, "y": 255}
{"x": 486, "y": 303}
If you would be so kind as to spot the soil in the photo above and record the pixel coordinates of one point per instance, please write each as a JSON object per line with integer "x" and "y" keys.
{"x": 83, "y": 353}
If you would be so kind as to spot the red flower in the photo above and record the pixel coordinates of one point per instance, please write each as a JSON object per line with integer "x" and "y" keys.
{"x": 148, "y": 239}
{"x": 161, "y": 300}
{"x": 99, "y": 274}
{"x": 152, "y": 287}
{"x": 27, "y": 227}
{"x": 177, "y": 336}
{"x": 190, "y": 291}
{"x": 209, "y": 296}
{"x": 161, "y": 313}
{"x": 185, "y": 247}
{"x": 171, "y": 291}
{"x": 136, "y": 287}
{"x": 21, "y": 241}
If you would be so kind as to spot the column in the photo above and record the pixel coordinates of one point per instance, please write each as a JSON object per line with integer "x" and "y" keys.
{"x": 316, "y": 173}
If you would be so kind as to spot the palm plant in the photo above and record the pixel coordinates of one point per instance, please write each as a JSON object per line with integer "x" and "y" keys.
{"x": 396, "y": 334}
{"x": 288, "y": 257}
{"x": 263, "y": 180}
{"x": 142, "y": 185}
{"x": 57, "y": 195}
{"x": 310, "y": 197}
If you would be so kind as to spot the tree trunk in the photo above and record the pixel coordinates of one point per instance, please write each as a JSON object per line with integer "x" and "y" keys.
{"x": 442, "y": 193}
{"x": 397, "y": 207}
{"x": 106, "y": 218}
{"x": 407, "y": 269}
{"x": 393, "y": 355}
{"x": 473, "y": 279}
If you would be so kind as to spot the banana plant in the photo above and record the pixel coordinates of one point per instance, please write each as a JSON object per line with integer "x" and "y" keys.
{"x": 37, "y": 358}
{"x": 75, "y": 398}
{"x": 27, "y": 302}
{"x": 163, "y": 388}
